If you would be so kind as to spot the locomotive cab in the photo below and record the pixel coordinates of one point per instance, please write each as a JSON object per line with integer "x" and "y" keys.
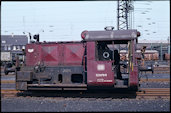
{"x": 104, "y": 65}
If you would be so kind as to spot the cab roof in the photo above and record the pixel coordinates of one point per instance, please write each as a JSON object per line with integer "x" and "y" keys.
{"x": 111, "y": 35}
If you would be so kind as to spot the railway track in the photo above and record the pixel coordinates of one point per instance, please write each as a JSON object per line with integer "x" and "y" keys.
{"x": 9, "y": 93}
{"x": 154, "y": 93}
{"x": 7, "y": 81}
{"x": 141, "y": 80}
{"x": 155, "y": 80}
{"x": 162, "y": 68}
{"x": 144, "y": 93}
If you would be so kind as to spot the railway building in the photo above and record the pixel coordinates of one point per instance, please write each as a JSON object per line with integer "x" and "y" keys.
{"x": 12, "y": 45}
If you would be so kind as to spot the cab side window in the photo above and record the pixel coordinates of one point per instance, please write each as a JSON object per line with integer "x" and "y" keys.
{"x": 103, "y": 51}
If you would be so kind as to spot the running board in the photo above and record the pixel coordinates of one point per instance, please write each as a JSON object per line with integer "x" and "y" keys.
{"x": 57, "y": 87}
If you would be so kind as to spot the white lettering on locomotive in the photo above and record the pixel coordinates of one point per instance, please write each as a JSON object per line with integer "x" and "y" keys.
{"x": 100, "y": 67}
{"x": 101, "y": 75}
{"x": 107, "y": 80}
{"x": 102, "y": 80}
{"x": 66, "y": 70}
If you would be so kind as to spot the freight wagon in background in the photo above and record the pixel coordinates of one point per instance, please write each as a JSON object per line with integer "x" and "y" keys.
{"x": 9, "y": 57}
{"x": 5, "y": 57}
{"x": 11, "y": 47}
{"x": 10, "y": 65}
{"x": 150, "y": 55}
{"x": 88, "y": 64}
{"x": 166, "y": 56}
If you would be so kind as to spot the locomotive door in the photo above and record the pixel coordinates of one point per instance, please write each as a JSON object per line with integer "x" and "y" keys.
{"x": 99, "y": 72}
{"x": 132, "y": 64}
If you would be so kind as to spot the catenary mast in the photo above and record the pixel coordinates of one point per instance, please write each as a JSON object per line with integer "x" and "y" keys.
{"x": 124, "y": 14}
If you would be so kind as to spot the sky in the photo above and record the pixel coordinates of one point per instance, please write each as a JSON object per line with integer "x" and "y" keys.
{"x": 65, "y": 20}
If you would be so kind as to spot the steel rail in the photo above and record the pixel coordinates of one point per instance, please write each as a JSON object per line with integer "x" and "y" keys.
{"x": 151, "y": 93}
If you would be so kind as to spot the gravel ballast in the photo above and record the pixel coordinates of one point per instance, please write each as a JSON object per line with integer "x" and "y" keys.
{"x": 52, "y": 104}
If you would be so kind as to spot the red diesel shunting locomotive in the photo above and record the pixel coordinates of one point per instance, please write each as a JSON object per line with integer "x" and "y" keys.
{"x": 80, "y": 65}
